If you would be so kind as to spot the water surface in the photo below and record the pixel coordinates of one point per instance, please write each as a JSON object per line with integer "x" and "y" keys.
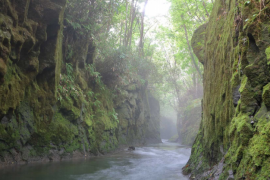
{"x": 155, "y": 162}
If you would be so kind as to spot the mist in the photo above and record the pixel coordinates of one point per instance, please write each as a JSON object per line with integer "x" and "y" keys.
{"x": 168, "y": 122}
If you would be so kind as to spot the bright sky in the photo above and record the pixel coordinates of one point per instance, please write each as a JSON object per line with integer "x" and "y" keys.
{"x": 156, "y": 8}
{"x": 157, "y": 13}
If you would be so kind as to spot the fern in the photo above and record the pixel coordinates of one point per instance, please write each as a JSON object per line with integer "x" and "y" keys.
{"x": 97, "y": 103}
{"x": 90, "y": 93}
{"x": 113, "y": 115}
{"x": 69, "y": 52}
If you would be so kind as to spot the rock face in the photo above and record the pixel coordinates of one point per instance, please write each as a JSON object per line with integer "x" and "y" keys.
{"x": 153, "y": 126}
{"x": 236, "y": 92}
{"x": 188, "y": 122}
{"x": 47, "y": 111}
{"x": 139, "y": 117}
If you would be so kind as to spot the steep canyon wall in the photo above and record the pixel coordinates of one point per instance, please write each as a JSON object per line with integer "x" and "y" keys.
{"x": 234, "y": 136}
{"x": 51, "y": 106}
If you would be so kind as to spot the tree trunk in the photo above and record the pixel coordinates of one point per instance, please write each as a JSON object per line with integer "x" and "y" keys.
{"x": 125, "y": 35}
{"x": 190, "y": 50}
{"x": 132, "y": 18}
{"x": 204, "y": 5}
{"x": 121, "y": 34}
{"x": 142, "y": 29}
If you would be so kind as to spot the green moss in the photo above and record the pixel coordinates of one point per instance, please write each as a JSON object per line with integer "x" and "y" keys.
{"x": 249, "y": 152}
{"x": 197, "y": 162}
{"x": 88, "y": 120}
{"x": 58, "y": 51}
{"x": 71, "y": 111}
{"x": 241, "y": 59}
{"x": 74, "y": 145}
{"x": 198, "y": 43}
{"x": 267, "y": 52}
{"x": 259, "y": 148}
{"x": 60, "y": 132}
{"x": 13, "y": 88}
{"x": 266, "y": 95}
{"x": 241, "y": 126}
{"x": 43, "y": 123}
{"x": 235, "y": 81}
{"x": 262, "y": 113}
{"x": 109, "y": 142}
{"x": 243, "y": 83}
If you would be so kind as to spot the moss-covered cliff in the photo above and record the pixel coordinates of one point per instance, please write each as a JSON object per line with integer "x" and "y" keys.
{"x": 234, "y": 137}
{"x": 53, "y": 103}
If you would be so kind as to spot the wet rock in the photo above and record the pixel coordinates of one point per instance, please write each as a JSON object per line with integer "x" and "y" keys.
{"x": 131, "y": 148}
{"x": 236, "y": 95}
{"x": 4, "y": 120}
{"x": 231, "y": 177}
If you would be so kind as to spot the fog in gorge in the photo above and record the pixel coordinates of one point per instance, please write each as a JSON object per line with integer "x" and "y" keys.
{"x": 182, "y": 126}
{"x": 168, "y": 121}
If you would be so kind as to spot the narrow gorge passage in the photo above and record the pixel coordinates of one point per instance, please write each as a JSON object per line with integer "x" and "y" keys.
{"x": 154, "y": 162}
{"x": 80, "y": 79}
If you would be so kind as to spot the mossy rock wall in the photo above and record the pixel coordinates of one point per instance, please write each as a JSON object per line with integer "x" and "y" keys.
{"x": 233, "y": 140}
{"x": 40, "y": 118}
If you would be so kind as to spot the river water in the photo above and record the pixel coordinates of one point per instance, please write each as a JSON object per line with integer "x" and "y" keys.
{"x": 162, "y": 161}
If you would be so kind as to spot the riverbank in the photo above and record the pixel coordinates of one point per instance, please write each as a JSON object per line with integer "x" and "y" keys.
{"x": 76, "y": 155}
{"x": 156, "y": 161}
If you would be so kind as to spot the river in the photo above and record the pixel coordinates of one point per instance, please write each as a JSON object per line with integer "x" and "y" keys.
{"x": 162, "y": 161}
